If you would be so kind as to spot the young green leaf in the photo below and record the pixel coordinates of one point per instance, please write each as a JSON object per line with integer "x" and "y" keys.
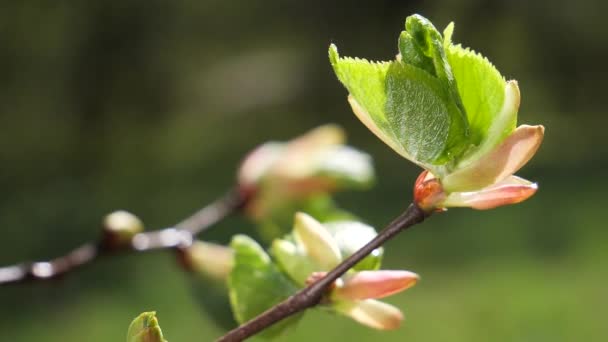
{"x": 292, "y": 260}
{"x": 256, "y": 284}
{"x": 145, "y": 328}
{"x": 411, "y": 104}
{"x": 366, "y": 84}
{"x": 481, "y": 87}
{"x": 421, "y": 37}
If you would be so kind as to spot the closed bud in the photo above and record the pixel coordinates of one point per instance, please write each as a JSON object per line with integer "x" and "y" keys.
{"x": 317, "y": 242}
{"x": 372, "y": 313}
{"x": 509, "y": 191}
{"x": 209, "y": 259}
{"x": 374, "y": 284}
{"x": 145, "y": 328}
{"x": 428, "y": 192}
{"x": 120, "y": 227}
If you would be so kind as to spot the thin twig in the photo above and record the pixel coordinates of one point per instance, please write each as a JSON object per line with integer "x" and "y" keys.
{"x": 178, "y": 237}
{"x": 312, "y": 295}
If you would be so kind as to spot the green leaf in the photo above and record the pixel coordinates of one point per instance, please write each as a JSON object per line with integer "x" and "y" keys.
{"x": 292, "y": 260}
{"x": 413, "y": 105}
{"x": 428, "y": 124}
{"x": 481, "y": 88}
{"x": 145, "y": 328}
{"x": 350, "y": 237}
{"x": 256, "y": 284}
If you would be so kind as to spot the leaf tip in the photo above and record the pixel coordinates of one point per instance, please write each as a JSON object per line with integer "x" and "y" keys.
{"x": 334, "y": 56}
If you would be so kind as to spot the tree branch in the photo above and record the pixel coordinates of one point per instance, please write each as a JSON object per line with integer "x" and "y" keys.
{"x": 312, "y": 295}
{"x": 178, "y": 237}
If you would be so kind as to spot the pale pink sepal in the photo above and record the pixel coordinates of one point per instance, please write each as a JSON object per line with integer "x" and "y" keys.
{"x": 375, "y": 284}
{"x": 257, "y": 163}
{"x": 509, "y": 191}
{"x": 508, "y": 157}
{"x": 372, "y": 313}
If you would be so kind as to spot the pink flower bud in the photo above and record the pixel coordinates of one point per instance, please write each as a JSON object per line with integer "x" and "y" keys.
{"x": 510, "y": 191}
{"x": 503, "y": 161}
{"x": 372, "y": 313}
{"x": 375, "y": 284}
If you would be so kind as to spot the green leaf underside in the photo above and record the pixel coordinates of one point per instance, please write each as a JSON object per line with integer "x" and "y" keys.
{"x": 426, "y": 122}
{"x": 416, "y": 110}
{"x": 369, "y": 83}
{"x": 256, "y": 284}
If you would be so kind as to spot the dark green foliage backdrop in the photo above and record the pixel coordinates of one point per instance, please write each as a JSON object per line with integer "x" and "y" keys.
{"x": 149, "y": 106}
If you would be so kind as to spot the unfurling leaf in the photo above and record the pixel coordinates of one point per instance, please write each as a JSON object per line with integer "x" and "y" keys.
{"x": 413, "y": 103}
{"x": 447, "y": 109}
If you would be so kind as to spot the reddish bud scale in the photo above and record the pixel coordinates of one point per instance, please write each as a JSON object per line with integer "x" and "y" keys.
{"x": 428, "y": 192}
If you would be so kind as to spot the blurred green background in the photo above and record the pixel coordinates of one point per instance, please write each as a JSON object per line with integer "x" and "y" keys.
{"x": 150, "y": 105}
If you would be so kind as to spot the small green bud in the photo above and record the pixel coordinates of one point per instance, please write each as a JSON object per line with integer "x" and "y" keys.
{"x": 120, "y": 227}
{"x": 145, "y": 328}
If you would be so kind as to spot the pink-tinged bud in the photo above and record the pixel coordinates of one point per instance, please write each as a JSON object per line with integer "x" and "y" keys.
{"x": 372, "y": 313}
{"x": 508, "y": 157}
{"x": 290, "y": 162}
{"x": 258, "y": 162}
{"x": 510, "y": 191}
{"x": 317, "y": 242}
{"x": 277, "y": 173}
{"x": 301, "y": 154}
{"x": 428, "y": 192}
{"x": 375, "y": 284}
